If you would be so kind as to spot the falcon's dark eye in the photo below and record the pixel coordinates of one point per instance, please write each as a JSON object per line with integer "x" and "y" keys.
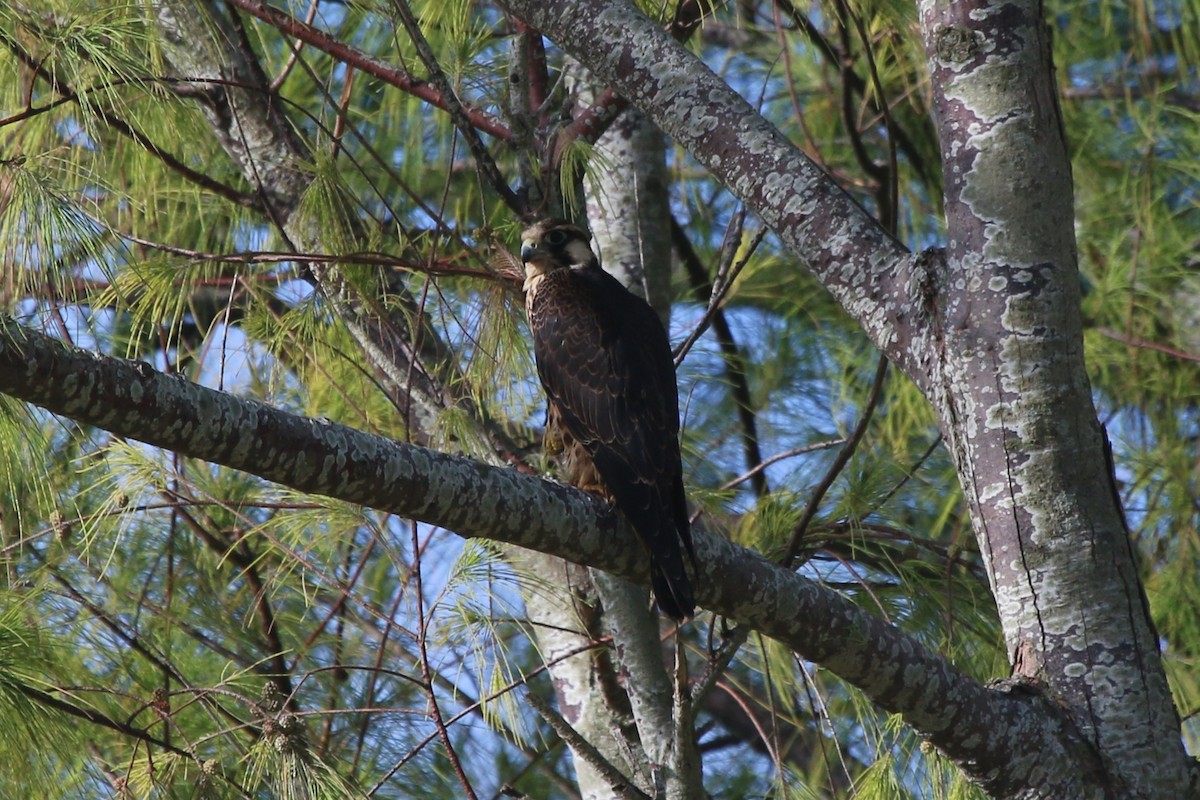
{"x": 556, "y": 238}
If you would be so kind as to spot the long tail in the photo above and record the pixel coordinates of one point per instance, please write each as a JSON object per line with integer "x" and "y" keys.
{"x": 672, "y": 589}
{"x": 663, "y": 527}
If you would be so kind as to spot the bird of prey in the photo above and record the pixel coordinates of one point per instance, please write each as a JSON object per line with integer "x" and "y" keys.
{"x": 612, "y": 405}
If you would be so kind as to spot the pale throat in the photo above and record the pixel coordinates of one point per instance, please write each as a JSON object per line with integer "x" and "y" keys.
{"x": 534, "y": 272}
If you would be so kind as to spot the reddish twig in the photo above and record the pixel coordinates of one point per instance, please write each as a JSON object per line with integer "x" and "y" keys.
{"x": 394, "y": 76}
{"x": 1158, "y": 348}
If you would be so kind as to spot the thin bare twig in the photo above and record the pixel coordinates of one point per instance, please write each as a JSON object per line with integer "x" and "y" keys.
{"x": 459, "y": 113}
{"x": 858, "y": 84}
{"x": 732, "y": 355}
{"x": 427, "y": 672}
{"x": 839, "y": 463}
{"x": 786, "y": 454}
{"x": 297, "y": 44}
{"x": 724, "y": 280}
{"x": 1133, "y": 341}
{"x": 544, "y": 667}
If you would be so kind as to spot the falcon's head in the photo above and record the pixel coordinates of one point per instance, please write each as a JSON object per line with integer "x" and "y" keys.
{"x": 554, "y": 244}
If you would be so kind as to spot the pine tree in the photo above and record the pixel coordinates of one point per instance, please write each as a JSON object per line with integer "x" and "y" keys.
{"x": 274, "y": 515}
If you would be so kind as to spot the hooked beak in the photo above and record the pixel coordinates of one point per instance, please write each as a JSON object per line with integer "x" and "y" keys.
{"x": 530, "y": 251}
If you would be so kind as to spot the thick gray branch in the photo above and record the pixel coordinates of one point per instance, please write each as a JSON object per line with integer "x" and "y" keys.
{"x": 971, "y": 723}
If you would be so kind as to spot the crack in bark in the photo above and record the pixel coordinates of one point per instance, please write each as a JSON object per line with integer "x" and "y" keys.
{"x": 1013, "y": 497}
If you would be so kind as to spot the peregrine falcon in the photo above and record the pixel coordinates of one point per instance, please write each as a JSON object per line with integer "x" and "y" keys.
{"x": 612, "y": 404}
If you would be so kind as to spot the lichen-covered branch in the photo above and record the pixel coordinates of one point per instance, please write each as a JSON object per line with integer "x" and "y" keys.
{"x": 974, "y": 725}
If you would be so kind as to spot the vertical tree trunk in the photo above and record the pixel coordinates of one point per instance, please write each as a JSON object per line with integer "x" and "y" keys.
{"x": 628, "y": 207}
{"x": 560, "y": 610}
{"x": 1015, "y": 401}
{"x": 629, "y": 216}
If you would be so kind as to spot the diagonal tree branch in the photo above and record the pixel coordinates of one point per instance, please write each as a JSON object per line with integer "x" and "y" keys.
{"x": 865, "y": 268}
{"x": 988, "y": 732}
{"x": 247, "y": 119}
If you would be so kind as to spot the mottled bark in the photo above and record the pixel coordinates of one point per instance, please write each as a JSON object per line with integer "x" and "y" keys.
{"x": 560, "y": 605}
{"x": 1015, "y": 401}
{"x": 987, "y": 731}
{"x": 627, "y": 206}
